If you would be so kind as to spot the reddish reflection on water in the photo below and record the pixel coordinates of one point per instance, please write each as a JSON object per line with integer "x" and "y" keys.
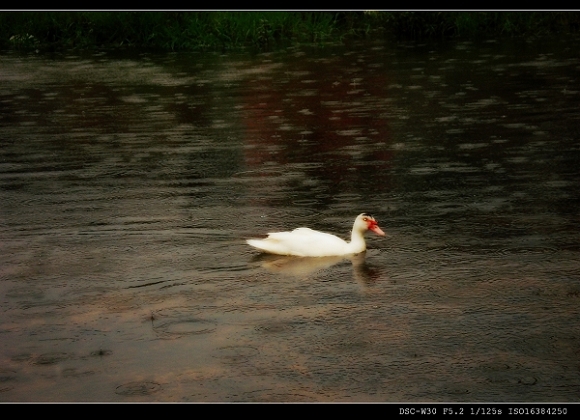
{"x": 319, "y": 111}
{"x": 128, "y": 185}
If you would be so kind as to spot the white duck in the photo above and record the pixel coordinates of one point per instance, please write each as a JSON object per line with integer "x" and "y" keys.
{"x": 305, "y": 242}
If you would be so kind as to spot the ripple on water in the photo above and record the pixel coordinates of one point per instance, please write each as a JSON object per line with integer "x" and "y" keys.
{"x": 182, "y": 327}
{"x": 180, "y": 322}
{"x": 528, "y": 250}
{"x": 101, "y": 353}
{"x": 138, "y": 388}
{"x": 7, "y": 377}
{"x": 271, "y": 395}
{"x": 26, "y": 293}
{"x": 50, "y": 358}
{"x": 276, "y": 327}
{"x": 233, "y": 355}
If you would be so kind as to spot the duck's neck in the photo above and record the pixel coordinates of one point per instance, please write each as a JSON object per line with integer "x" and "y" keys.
{"x": 357, "y": 242}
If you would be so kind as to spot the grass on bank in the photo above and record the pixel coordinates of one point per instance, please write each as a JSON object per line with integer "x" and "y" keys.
{"x": 222, "y": 30}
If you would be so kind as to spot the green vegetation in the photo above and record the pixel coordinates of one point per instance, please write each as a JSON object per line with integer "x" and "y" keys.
{"x": 222, "y": 30}
{"x": 474, "y": 24}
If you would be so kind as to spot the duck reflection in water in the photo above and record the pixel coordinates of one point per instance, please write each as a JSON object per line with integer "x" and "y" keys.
{"x": 306, "y": 266}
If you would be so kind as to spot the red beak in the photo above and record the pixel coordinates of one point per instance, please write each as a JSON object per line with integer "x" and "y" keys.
{"x": 375, "y": 228}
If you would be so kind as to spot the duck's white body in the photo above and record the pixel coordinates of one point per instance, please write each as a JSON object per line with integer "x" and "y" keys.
{"x": 305, "y": 242}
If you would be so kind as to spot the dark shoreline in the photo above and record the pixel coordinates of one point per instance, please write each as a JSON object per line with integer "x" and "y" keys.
{"x": 263, "y": 30}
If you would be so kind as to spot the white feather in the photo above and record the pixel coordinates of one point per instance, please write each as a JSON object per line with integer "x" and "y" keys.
{"x": 305, "y": 242}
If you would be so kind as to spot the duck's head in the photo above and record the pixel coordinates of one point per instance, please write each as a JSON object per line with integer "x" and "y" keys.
{"x": 365, "y": 221}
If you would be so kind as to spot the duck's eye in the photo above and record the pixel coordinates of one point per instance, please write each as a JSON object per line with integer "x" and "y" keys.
{"x": 365, "y": 219}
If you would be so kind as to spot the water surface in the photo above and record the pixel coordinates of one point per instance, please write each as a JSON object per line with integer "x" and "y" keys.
{"x": 129, "y": 182}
